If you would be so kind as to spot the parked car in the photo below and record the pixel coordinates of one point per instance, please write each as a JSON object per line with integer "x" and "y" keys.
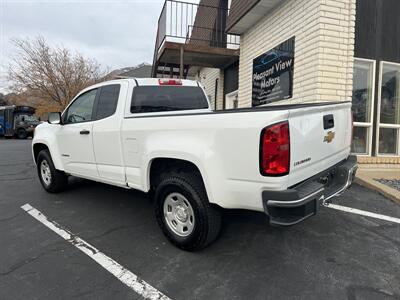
{"x": 17, "y": 121}
{"x": 160, "y": 136}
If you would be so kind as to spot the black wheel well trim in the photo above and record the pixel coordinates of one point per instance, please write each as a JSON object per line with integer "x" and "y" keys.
{"x": 168, "y": 163}
{"x": 37, "y": 148}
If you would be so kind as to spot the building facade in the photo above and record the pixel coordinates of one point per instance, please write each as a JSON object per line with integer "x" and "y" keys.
{"x": 297, "y": 51}
{"x": 376, "y": 86}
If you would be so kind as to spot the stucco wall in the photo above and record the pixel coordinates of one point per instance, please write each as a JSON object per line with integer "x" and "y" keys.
{"x": 324, "y": 48}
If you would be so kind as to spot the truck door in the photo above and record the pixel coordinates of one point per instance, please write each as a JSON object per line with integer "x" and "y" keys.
{"x": 75, "y": 138}
{"x": 107, "y": 132}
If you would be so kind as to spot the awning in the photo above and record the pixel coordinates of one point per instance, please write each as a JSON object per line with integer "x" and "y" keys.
{"x": 244, "y": 15}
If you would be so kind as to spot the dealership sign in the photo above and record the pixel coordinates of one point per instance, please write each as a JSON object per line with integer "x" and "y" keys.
{"x": 273, "y": 74}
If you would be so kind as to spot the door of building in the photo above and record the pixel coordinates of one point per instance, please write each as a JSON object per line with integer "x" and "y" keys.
{"x": 231, "y": 100}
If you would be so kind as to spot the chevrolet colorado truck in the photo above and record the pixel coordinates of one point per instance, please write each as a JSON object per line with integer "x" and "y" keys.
{"x": 160, "y": 136}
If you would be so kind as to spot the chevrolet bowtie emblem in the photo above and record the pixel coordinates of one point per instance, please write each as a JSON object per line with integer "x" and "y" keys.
{"x": 329, "y": 137}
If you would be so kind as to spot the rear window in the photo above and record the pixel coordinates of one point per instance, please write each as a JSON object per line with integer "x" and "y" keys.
{"x": 167, "y": 98}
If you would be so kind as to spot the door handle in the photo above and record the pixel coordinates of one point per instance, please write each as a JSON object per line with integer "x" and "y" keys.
{"x": 84, "y": 131}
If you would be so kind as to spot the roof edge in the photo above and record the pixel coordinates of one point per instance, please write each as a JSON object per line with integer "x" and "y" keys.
{"x": 229, "y": 26}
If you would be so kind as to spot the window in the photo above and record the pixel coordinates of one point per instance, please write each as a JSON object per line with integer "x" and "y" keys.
{"x": 167, "y": 98}
{"x": 363, "y": 98}
{"x": 30, "y": 118}
{"x": 389, "y": 114}
{"x": 108, "y": 100}
{"x": 231, "y": 100}
{"x": 81, "y": 109}
{"x": 388, "y": 141}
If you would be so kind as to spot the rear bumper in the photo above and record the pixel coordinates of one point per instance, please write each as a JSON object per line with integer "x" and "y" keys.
{"x": 302, "y": 201}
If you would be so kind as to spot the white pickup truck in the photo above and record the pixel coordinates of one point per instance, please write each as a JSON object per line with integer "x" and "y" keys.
{"x": 160, "y": 136}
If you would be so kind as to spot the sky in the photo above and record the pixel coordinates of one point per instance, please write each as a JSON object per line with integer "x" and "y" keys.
{"x": 119, "y": 33}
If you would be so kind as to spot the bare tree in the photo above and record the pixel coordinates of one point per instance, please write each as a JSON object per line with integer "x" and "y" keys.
{"x": 53, "y": 74}
{"x": 3, "y": 100}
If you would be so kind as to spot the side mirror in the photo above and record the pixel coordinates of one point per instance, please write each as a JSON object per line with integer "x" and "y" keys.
{"x": 54, "y": 118}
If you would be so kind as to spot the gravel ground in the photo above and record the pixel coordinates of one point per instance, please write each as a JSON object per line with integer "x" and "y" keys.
{"x": 393, "y": 183}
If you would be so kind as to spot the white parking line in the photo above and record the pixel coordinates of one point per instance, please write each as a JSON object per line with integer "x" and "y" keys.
{"x": 362, "y": 213}
{"x": 124, "y": 275}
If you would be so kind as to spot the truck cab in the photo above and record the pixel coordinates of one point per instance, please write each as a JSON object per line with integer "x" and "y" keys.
{"x": 17, "y": 121}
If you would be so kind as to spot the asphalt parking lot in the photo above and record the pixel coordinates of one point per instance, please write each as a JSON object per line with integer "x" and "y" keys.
{"x": 334, "y": 255}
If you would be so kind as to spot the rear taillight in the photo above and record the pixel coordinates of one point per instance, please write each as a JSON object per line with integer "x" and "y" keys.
{"x": 275, "y": 150}
{"x": 167, "y": 81}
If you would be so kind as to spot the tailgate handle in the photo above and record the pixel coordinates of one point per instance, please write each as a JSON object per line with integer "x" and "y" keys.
{"x": 329, "y": 121}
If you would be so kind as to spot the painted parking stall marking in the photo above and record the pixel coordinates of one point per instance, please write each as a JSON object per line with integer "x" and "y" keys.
{"x": 362, "y": 213}
{"x": 138, "y": 285}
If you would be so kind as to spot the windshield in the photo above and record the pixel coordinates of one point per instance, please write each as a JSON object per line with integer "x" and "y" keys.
{"x": 167, "y": 98}
{"x": 29, "y": 118}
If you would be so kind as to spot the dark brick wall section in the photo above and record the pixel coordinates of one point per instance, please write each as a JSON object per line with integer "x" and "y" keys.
{"x": 210, "y": 23}
{"x": 378, "y": 30}
{"x": 238, "y": 9}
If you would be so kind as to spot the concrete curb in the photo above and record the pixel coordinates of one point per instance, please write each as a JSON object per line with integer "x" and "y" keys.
{"x": 372, "y": 184}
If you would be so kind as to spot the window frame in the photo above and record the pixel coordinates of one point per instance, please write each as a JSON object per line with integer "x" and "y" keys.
{"x": 369, "y": 125}
{"x": 65, "y": 113}
{"x": 380, "y": 125}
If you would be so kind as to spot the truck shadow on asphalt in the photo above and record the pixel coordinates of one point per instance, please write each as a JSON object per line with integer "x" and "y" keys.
{"x": 245, "y": 224}
{"x": 333, "y": 253}
{"x": 134, "y": 198}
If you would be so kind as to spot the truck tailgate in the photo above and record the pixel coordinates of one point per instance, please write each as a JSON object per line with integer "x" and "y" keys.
{"x": 320, "y": 137}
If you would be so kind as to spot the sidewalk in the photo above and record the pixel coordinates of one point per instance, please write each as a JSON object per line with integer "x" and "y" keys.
{"x": 367, "y": 175}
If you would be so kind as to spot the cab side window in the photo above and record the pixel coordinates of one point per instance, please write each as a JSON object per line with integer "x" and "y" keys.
{"x": 108, "y": 100}
{"x": 82, "y": 108}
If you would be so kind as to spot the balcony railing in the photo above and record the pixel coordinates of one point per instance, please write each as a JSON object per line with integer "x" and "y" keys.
{"x": 191, "y": 23}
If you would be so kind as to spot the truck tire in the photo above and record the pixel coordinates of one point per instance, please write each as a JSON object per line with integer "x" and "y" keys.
{"x": 52, "y": 180}
{"x": 21, "y": 134}
{"x": 183, "y": 211}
